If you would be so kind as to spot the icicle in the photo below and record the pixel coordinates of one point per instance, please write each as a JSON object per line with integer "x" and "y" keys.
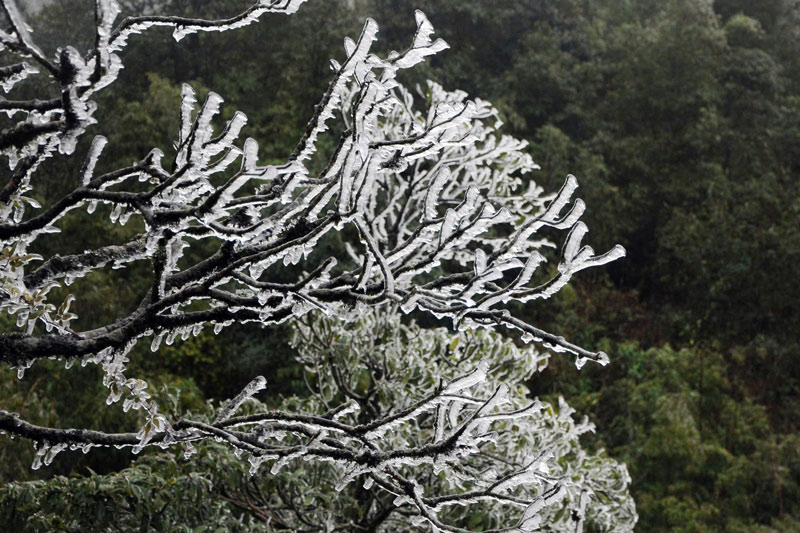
{"x": 255, "y": 463}
{"x": 42, "y": 449}
{"x": 154, "y": 345}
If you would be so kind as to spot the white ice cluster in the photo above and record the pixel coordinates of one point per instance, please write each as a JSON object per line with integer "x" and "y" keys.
{"x": 437, "y": 426}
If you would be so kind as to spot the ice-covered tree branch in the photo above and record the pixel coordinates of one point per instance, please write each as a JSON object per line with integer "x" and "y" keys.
{"x": 46, "y": 125}
{"x": 424, "y": 189}
{"x": 460, "y": 440}
{"x": 431, "y": 207}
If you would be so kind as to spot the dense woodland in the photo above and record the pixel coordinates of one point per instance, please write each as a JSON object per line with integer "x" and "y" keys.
{"x": 682, "y": 120}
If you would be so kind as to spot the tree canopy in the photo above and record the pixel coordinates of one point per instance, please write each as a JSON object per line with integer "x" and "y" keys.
{"x": 680, "y": 120}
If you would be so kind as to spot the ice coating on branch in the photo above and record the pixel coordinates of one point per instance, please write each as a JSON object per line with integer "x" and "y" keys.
{"x": 98, "y": 143}
{"x": 184, "y": 27}
{"x": 20, "y": 26}
{"x": 254, "y": 387}
{"x": 11, "y": 75}
{"x": 356, "y": 57}
{"x": 470, "y": 380}
{"x": 107, "y": 12}
{"x": 422, "y": 46}
{"x": 287, "y": 7}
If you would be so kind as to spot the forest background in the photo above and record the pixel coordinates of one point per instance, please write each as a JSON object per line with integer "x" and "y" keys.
{"x": 681, "y": 119}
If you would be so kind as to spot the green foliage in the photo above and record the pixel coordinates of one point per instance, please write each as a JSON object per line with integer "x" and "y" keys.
{"x": 81, "y": 401}
{"x": 702, "y": 455}
{"x": 158, "y": 494}
{"x": 79, "y": 395}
